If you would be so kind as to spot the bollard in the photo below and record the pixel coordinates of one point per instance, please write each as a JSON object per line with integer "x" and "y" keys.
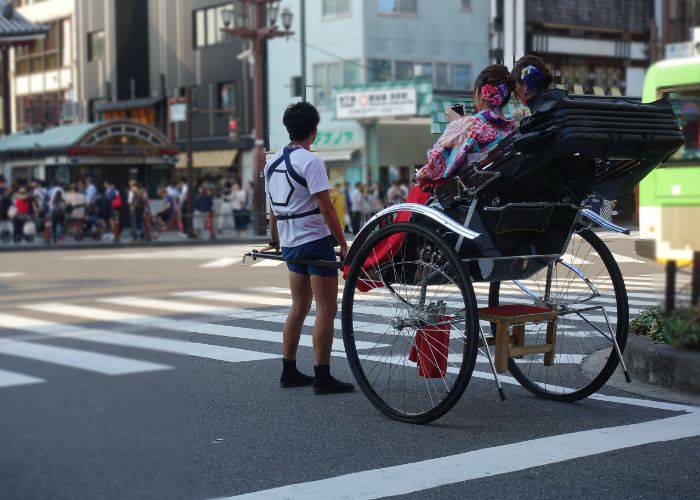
{"x": 147, "y": 227}
{"x": 212, "y": 229}
{"x": 116, "y": 229}
{"x": 47, "y": 229}
{"x": 695, "y": 280}
{"x": 671, "y": 268}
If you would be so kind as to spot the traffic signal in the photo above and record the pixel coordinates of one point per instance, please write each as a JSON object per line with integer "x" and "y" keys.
{"x": 296, "y": 86}
{"x": 233, "y": 129}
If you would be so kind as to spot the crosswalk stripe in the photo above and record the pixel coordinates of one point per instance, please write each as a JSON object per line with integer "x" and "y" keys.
{"x": 74, "y": 358}
{"x": 183, "y": 347}
{"x": 240, "y": 298}
{"x": 177, "y": 325}
{"x": 223, "y": 262}
{"x": 268, "y": 263}
{"x": 11, "y": 379}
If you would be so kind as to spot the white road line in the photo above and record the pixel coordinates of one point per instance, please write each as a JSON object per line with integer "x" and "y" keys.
{"x": 228, "y": 354}
{"x": 621, "y": 259}
{"x": 176, "y": 325}
{"x": 11, "y": 275}
{"x": 223, "y": 262}
{"x": 74, "y": 358}
{"x": 165, "y": 305}
{"x": 487, "y": 462}
{"x": 11, "y": 379}
{"x": 268, "y": 263}
{"x": 239, "y": 298}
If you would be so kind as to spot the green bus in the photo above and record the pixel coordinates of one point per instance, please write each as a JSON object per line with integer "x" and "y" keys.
{"x": 669, "y": 197}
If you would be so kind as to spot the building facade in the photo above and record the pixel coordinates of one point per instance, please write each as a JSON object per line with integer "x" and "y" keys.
{"x": 44, "y": 72}
{"x": 592, "y": 45}
{"x": 137, "y": 57}
{"x": 375, "y": 45}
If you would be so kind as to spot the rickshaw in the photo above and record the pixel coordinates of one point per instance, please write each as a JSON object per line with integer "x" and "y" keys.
{"x": 512, "y": 226}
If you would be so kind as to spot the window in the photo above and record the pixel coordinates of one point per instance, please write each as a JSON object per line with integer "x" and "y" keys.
{"x": 42, "y": 55}
{"x": 320, "y": 86}
{"x": 404, "y": 7}
{"x": 686, "y": 104}
{"x": 326, "y": 76}
{"x": 206, "y": 26}
{"x": 466, "y": 4}
{"x": 335, "y": 8}
{"x": 352, "y": 73}
{"x": 227, "y": 96}
{"x": 96, "y": 46}
{"x": 378, "y": 70}
{"x": 442, "y": 76}
{"x": 462, "y": 77}
{"x": 423, "y": 70}
{"x": 404, "y": 70}
{"x": 42, "y": 110}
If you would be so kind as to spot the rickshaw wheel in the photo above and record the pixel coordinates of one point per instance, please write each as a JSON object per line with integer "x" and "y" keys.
{"x": 423, "y": 292}
{"x": 594, "y": 360}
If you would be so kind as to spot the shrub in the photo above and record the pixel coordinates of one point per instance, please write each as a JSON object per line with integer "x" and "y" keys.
{"x": 682, "y": 328}
{"x": 650, "y": 324}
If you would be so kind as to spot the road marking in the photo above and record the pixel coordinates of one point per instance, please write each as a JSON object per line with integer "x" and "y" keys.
{"x": 268, "y": 263}
{"x": 228, "y": 354}
{"x": 11, "y": 275}
{"x": 622, "y": 259}
{"x": 239, "y": 298}
{"x": 487, "y": 462}
{"x": 577, "y": 261}
{"x": 177, "y": 325}
{"x": 219, "y": 263}
{"x": 11, "y": 379}
{"x": 74, "y": 358}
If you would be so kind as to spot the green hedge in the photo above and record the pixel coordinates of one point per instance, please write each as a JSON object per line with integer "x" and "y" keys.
{"x": 681, "y": 329}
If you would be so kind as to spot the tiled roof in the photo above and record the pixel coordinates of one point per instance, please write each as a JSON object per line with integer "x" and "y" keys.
{"x": 52, "y": 138}
{"x": 15, "y": 27}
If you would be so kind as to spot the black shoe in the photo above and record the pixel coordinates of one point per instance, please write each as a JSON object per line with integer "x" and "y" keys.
{"x": 332, "y": 386}
{"x": 297, "y": 380}
{"x": 291, "y": 377}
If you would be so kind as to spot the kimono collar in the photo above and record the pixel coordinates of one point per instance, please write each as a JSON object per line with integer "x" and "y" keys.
{"x": 499, "y": 121}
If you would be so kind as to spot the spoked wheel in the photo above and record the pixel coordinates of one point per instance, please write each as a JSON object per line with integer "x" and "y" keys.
{"x": 586, "y": 287}
{"x": 409, "y": 323}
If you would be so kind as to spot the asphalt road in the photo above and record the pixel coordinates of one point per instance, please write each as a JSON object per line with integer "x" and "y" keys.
{"x": 124, "y": 375}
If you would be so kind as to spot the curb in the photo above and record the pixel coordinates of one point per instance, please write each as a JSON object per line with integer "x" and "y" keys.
{"x": 663, "y": 365}
{"x": 152, "y": 244}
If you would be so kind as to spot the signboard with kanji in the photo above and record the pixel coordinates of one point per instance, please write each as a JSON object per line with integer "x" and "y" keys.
{"x": 380, "y": 103}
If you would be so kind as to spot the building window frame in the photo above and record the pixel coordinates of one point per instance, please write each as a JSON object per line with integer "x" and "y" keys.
{"x": 37, "y": 57}
{"x": 336, "y": 14}
{"x": 91, "y": 38}
{"x": 201, "y": 33}
{"x": 398, "y": 11}
{"x": 465, "y": 5}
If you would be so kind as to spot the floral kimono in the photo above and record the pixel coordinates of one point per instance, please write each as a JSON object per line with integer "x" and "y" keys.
{"x": 471, "y": 134}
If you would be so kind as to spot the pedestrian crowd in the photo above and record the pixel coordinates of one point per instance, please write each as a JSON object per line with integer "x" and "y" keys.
{"x": 33, "y": 209}
{"x": 356, "y": 205}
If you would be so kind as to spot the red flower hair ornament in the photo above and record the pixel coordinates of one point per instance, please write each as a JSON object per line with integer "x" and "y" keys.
{"x": 494, "y": 95}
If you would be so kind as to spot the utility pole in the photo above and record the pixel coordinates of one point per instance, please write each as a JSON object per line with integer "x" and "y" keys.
{"x": 259, "y": 33}
{"x": 189, "y": 221}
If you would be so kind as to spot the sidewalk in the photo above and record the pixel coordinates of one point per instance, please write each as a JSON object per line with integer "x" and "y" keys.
{"x": 171, "y": 238}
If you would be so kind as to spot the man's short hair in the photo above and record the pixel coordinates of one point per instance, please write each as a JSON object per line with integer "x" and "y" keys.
{"x": 301, "y": 120}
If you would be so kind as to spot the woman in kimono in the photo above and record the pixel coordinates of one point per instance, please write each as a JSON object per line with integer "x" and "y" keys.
{"x": 532, "y": 76}
{"x": 473, "y": 134}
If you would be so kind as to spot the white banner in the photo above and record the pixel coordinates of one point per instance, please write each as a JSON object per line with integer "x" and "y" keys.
{"x": 376, "y": 103}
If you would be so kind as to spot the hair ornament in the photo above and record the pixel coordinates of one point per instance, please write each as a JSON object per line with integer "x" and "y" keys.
{"x": 531, "y": 77}
{"x": 494, "y": 95}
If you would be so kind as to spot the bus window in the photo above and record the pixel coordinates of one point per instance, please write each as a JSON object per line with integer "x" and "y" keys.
{"x": 686, "y": 105}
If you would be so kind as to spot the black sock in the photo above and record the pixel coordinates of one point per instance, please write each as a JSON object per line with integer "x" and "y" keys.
{"x": 323, "y": 373}
{"x": 289, "y": 368}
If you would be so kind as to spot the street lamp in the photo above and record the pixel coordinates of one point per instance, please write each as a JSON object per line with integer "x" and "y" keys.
{"x": 287, "y": 17}
{"x": 273, "y": 10}
{"x": 263, "y": 28}
{"x": 227, "y": 17}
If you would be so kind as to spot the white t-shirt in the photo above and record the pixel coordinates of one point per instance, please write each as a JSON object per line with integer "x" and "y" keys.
{"x": 356, "y": 200}
{"x": 288, "y": 197}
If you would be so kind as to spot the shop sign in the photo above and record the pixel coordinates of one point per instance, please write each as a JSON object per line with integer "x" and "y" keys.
{"x": 377, "y": 103}
{"x": 335, "y": 138}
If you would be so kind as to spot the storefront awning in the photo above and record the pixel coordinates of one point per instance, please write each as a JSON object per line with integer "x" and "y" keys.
{"x": 331, "y": 155}
{"x": 220, "y": 158}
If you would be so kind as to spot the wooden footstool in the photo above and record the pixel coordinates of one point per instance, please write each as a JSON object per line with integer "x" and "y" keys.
{"x": 510, "y": 321}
